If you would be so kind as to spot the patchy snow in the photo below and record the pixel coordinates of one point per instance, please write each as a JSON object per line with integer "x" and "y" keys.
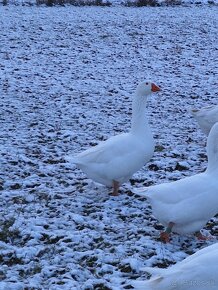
{"x": 67, "y": 76}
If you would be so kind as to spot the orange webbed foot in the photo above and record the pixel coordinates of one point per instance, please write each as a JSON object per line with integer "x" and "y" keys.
{"x": 165, "y": 237}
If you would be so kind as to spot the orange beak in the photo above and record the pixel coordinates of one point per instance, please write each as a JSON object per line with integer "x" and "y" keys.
{"x": 154, "y": 88}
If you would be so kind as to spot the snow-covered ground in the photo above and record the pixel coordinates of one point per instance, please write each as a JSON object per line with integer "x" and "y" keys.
{"x": 67, "y": 76}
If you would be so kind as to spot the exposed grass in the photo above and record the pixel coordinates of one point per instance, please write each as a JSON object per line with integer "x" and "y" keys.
{"x": 152, "y": 3}
{"x": 73, "y": 2}
{"x": 6, "y": 233}
{"x": 141, "y": 3}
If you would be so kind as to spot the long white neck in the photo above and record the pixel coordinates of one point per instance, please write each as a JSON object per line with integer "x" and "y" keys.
{"x": 212, "y": 152}
{"x": 140, "y": 124}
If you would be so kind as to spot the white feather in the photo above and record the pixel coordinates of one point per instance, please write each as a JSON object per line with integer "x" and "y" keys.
{"x": 120, "y": 156}
{"x": 197, "y": 272}
{"x": 206, "y": 117}
{"x": 189, "y": 202}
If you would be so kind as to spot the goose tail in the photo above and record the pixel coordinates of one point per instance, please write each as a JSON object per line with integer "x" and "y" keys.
{"x": 153, "y": 282}
{"x": 71, "y": 159}
{"x": 141, "y": 285}
{"x": 144, "y": 192}
{"x": 193, "y": 112}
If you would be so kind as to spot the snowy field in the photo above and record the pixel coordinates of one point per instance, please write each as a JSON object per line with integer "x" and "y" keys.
{"x": 67, "y": 76}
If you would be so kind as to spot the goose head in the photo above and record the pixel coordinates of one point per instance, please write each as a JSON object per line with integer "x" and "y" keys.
{"x": 139, "y": 120}
{"x": 145, "y": 88}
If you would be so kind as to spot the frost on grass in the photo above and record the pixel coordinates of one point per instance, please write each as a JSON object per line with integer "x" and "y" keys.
{"x": 67, "y": 76}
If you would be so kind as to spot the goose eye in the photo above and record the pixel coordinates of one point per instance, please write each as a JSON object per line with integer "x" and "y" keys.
{"x": 146, "y": 84}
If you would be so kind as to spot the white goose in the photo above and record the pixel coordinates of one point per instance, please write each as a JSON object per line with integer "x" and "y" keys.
{"x": 113, "y": 161}
{"x": 206, "y": 117}
{"x": 185, "y": 205}
{"x": 196, "y": 272}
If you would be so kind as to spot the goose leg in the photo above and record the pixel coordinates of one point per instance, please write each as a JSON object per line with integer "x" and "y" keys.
{"x": 116, "y": 186}
{"x": 165, "y": 236}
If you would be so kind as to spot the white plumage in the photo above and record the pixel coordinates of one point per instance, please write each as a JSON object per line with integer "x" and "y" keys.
{"x": 197, "y": 272}
{"x": 189, "y": 202}
{"x": 206, "y": 117}
{"x": 113, "y": 161}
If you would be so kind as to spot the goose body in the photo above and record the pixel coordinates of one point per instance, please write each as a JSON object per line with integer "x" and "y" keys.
{"x": 197, "y": 272}
{"x": 113, "y": 161}
{"x": 206, "y": 117}
{"x": 190, "y": 202}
